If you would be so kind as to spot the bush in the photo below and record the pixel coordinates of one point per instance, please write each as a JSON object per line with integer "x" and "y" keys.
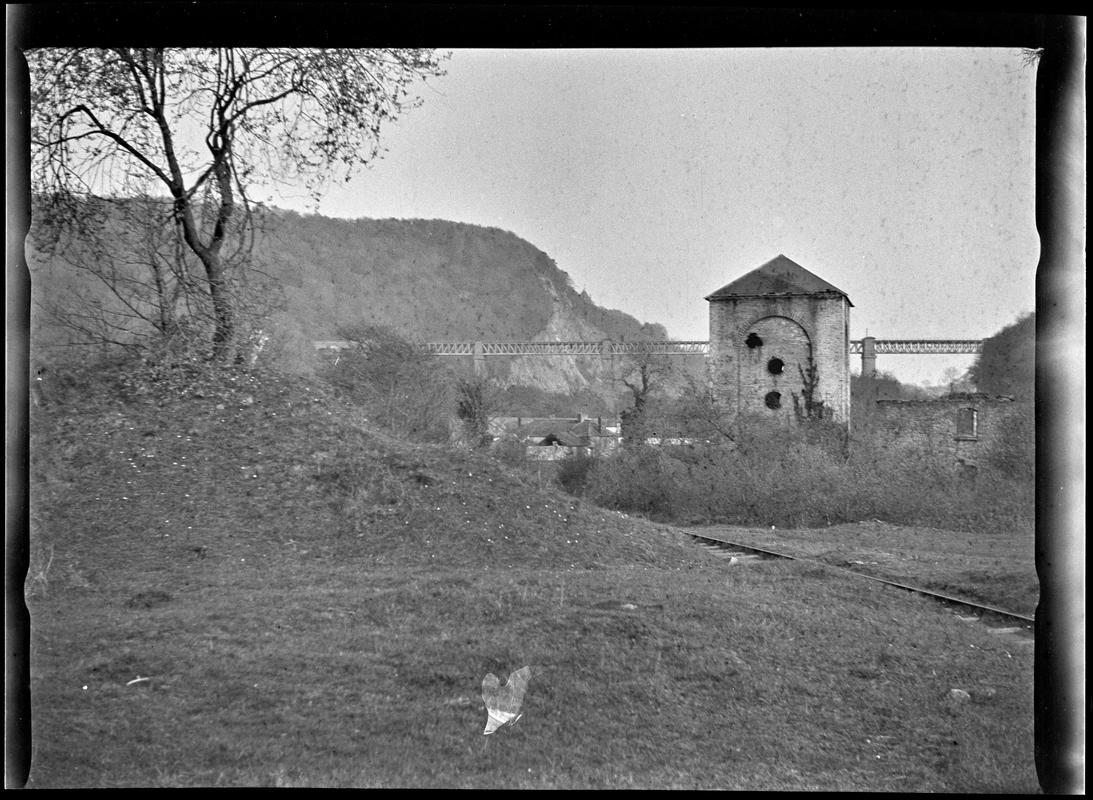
{"x": 397, "y": 386}
{"x": 476, "y": 401}
{"x": 639, "y": 478}
{"x": 510, "y": 450}
{"x": 573, "y": 472}
{"x": 164, "y": 370}
{"x": 181, "y": 366}
{"x": 804, "y": 477}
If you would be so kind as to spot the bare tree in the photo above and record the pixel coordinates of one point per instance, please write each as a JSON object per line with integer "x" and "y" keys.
{"x": 477, "y": 399}
{"x": 644, "y": 373}
{"x": 699, "y": 415}
{"x": 126, "y": 280}
{"x": 207, "y": 126}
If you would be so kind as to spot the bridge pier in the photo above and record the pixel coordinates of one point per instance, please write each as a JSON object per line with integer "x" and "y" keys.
{"x": 869, "y": 357}
{"x": 479, "y": 360}
{"x": 607, "y": 356}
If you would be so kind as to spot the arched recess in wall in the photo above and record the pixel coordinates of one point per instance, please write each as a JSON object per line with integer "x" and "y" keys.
{"x": 773, "y": 352}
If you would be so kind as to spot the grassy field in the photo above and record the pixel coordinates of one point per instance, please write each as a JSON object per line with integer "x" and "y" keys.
{"x": 314, "y": 603}
{"x": 993, "y": 569}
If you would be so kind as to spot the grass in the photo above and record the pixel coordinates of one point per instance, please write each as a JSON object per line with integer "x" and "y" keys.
{"x": 315, "y": 604}
{"x": 995, "y": 569}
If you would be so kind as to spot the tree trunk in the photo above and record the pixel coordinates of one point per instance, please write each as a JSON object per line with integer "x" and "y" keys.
{"x": 223, "y": 313}
{"x": 164, "y": 304}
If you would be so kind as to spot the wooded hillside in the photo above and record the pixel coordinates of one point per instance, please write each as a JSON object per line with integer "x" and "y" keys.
{"x": 1007, "y": 364}
{"x": 428, "y": 280}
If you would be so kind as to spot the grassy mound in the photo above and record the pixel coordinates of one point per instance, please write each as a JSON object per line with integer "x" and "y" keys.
{"x": 242, "y": 583}
{"x": 282, "y": 462}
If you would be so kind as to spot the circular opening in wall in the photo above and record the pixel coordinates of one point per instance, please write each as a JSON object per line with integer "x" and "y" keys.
{"x": 775, "y": 366}
{"x": 753, "y": 341}
{"x": 773, "y": 400}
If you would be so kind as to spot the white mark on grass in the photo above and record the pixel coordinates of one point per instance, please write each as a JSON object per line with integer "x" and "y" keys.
{"x": 503, "y": 702}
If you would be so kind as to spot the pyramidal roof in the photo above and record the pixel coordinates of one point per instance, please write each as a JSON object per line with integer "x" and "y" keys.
{"x": 779, "y": 276}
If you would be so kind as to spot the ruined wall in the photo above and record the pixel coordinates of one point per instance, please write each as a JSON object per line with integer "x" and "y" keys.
{"x": 961, "y": 430}
{"x": 749, "y": 336}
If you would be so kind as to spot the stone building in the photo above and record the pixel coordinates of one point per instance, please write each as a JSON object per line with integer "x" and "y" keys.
{"x": 780, "y": 344}
{"x": 961, "y": 431}
{"x": 554, "y": 438}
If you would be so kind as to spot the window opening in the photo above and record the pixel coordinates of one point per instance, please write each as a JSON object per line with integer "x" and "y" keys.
{"x": 775, "y": 366}
{"x": 773, "y": 400}
{"x": 753, "y": 341}
{"x": 967, "y": 423}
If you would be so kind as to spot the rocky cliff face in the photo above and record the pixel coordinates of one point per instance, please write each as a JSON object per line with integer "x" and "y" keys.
{"x": 563, "y": 375}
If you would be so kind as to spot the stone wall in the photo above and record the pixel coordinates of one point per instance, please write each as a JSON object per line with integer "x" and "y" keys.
{"x": 760, "y": 346}
{"x": 958, "y": 431}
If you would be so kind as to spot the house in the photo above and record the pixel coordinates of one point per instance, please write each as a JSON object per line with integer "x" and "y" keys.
{"x": 554, "y": 438}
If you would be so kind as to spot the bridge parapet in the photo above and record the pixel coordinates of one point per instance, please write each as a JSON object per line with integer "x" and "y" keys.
{"x": 607, "y": 349}
{"x": 603, "y": 348}
{"x": 921, "y": 346}
{"x": 667, "y": 348}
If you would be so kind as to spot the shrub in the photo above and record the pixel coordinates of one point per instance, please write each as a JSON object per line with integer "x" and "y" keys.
{"x": 510, "y": 450}
{"x": 476, "y": 401}
{"x": 804, "y": 477}
{"x": 398, "y": 386}
{"x": 181, "y": 366}
{"x": 573, "y": 472}
{"x": 638, "y": 478}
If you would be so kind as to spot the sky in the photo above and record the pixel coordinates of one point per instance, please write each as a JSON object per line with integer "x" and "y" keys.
{"x": 653, "y": 177}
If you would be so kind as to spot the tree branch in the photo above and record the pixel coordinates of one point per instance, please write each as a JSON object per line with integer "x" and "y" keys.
{"x": 101, "y": 130}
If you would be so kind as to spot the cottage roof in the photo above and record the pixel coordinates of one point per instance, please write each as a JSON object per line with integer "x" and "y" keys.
{"x": 567, "y": 432}
{"x": 779, "y": 276}
{"x": 566, "y": 439}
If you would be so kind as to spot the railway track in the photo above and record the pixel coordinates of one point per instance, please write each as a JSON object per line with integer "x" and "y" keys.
{"x": 999, "y": 621}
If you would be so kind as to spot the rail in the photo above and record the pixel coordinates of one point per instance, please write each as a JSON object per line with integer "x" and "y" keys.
{"x": 981, "y": 609}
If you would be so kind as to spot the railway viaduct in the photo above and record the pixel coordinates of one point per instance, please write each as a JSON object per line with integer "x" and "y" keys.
{"x": 868, "y": 348}
{"x": 777, "y": 332}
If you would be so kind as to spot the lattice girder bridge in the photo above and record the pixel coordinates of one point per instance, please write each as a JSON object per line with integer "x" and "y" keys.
{"x": 869, "y": 348}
